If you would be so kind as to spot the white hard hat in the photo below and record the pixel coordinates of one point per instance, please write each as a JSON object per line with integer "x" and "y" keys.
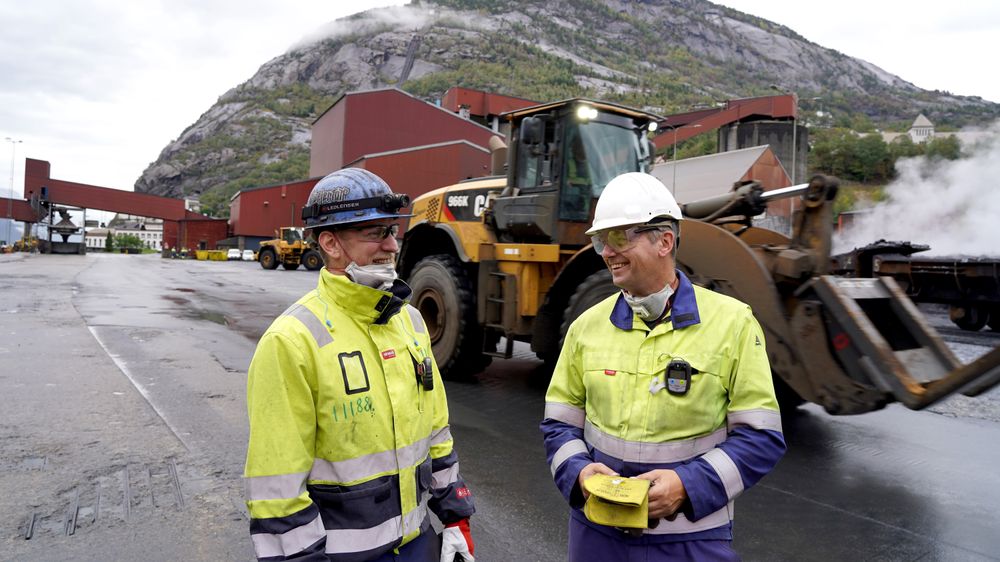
{"x": 633, "y": 198}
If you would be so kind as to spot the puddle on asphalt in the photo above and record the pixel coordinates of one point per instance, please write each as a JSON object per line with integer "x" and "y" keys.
{"x": 188, "y": 312}
{"x": 216, "y": 317}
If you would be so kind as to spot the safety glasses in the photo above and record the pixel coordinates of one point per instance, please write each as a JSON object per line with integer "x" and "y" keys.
{"x": 376, "y": 233}
{"x": 619, "y": 239}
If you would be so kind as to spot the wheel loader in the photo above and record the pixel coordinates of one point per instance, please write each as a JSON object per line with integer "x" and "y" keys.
{"x": 290, "y": 250}
{"x": 506, "y": 256}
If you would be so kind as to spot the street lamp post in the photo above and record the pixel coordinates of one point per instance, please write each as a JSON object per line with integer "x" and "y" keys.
{"x": 673, "y": 159}
{"x": 10, "y": 201}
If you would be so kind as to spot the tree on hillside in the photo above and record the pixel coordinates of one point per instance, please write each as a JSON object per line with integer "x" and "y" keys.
{"x": 904, "y": 147}
{"x": 870, "y": 161}
{"x": 831, "y": 151}
{"x": 947, "y": 148}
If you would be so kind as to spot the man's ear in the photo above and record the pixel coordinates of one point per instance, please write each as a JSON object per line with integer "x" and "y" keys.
{"x": 329, "y": 244}
{"x": 669, "y": 239}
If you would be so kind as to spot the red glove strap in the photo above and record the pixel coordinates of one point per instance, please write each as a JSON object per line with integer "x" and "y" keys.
{"x": 463, "y": 524}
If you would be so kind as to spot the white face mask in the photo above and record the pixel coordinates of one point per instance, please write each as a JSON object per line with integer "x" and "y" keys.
{"x": 650, "y": 307}
{"x": 376, "y": 276}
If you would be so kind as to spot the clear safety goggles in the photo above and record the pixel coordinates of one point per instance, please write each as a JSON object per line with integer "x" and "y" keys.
{"x": 376, "y": 233}
{"x": 620, "y": 239}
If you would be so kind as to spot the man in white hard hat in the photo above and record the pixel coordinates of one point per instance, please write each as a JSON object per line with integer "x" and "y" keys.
{"x": 666, "y": 382}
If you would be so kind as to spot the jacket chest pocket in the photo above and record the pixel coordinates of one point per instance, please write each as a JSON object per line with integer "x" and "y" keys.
{"x": 699, "y": 410}
{"x": 609, "y": 398}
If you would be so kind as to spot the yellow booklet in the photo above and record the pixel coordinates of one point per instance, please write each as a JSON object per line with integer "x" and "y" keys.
{"x": 617, "y": 501}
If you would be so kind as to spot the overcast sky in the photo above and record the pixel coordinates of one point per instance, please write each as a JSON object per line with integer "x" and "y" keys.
{"x": 99, "y": 87}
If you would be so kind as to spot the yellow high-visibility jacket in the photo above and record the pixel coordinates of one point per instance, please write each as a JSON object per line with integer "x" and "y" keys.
{"x": 348, "y": 448}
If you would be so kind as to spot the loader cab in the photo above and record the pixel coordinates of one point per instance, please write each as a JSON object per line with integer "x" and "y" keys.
{"x": 560, "y": 158}
{"x": 291, "y": 235}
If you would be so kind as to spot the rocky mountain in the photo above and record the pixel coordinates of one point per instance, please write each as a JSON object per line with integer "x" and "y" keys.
{"x": 663, "y": 55}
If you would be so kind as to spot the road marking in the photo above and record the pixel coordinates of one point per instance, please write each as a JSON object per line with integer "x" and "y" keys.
{"x": 123, "y": 367}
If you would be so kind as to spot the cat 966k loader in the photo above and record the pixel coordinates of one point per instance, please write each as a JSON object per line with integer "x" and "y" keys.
{"x": 507, "y": 256}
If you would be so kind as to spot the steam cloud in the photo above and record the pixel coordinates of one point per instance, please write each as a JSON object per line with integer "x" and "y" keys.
{"x": 952, "y": 206}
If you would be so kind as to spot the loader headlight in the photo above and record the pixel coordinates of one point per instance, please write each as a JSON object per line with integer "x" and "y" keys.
{"x": 586, "y": 113}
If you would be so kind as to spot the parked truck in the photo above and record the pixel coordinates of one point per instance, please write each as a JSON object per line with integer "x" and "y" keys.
{"x": 506, "y": 256}
{"x": 290, "y": 249}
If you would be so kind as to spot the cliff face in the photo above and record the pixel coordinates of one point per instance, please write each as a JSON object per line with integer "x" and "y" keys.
{"x": 664, "y": 55}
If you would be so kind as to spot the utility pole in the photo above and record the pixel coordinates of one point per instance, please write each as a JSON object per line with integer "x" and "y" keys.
{"x": 795, "y": 129}
{"x": 673, "y": 166}
{"x": 10, "y": 201}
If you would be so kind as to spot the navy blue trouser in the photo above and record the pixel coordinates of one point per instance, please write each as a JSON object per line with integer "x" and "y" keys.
{"x": 425, "y": 548}
{"x": 586, "y": 545}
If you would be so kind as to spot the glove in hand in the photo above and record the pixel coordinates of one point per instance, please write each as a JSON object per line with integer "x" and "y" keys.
{"x": 457, "y": 539}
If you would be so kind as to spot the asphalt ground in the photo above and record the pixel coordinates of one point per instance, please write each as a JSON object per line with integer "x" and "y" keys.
{"x": 123, "y": 430}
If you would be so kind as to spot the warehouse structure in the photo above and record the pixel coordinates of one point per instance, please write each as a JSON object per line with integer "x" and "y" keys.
{"x": 414, "y": 145}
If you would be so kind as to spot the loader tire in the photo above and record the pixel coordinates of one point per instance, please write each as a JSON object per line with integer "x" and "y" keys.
{"x": 994, "y": 321}
{"x": 594, "y": 289}
{"x": 312, "y": 260}
{"x": 970, "y": 318}
{"x": 788, "y": 399}
{"x": 267, "y": 259}
{"x": 290, "y": 266}
{"x": 443, "y": 293}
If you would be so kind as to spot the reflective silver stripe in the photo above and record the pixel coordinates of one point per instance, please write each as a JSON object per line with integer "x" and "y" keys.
{"x": 641, "y": 451}
{"x": 280, "y": 487}
{"x": 568, "y": 449}
{"x": 370, "y": 465}
{"x": 313, "y": 324}
{"x": 289, "y": 543}
{"x": 445, "y": 476}
{"x": 757, "y": 419}
{"x": 340, "y": 541}
{"x": 727, "y": 471}
{"x": 440, "y": 436}
{"x": 682, "y": 525}
{"x": 565, "y": 413}
{"x": 413, "y": 519}
{"x": 416, "y": 319}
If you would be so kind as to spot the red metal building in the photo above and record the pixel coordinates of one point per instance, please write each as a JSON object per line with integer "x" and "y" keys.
{"x": 415, "y": 171}
{"x": 378, "y": 121}
{"x": 258, "y": 211}
{"x": 483, "y": 107}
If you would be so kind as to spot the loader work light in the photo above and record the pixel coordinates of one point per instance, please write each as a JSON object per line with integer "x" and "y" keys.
{"x": 586, "y": 113}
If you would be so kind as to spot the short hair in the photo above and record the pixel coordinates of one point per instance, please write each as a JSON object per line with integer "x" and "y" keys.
{"x": 662, "y": 226}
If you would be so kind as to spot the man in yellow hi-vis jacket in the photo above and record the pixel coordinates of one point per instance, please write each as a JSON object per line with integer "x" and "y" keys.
{"x": 666, "y": 382}
{"x": 349, "y": 439}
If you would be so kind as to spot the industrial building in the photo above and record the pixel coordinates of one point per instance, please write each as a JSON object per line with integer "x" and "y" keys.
{"x": 416, "y": 146}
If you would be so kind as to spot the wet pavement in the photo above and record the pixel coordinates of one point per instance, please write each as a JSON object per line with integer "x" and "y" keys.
{"x": 123, "y": 428}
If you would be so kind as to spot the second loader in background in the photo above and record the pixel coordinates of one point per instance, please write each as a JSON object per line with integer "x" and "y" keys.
{"x": 290, "y": 250}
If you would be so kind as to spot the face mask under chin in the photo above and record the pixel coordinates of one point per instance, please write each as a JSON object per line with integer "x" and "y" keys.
{"x": 376, "y": 276}
{"x": 650, "y": 307}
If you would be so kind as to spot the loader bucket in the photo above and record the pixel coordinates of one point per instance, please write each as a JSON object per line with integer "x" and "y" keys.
{"x": 875, "y": 330}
